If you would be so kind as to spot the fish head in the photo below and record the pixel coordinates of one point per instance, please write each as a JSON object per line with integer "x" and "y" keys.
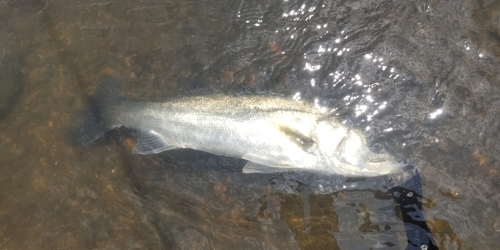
{"x": 346, "y": 152}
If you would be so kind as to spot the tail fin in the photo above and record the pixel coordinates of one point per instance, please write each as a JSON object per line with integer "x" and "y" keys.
{"x": 89, "y": 124}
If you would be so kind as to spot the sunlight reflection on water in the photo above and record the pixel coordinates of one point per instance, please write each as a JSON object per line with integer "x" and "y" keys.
{"x": 419, "y": 78}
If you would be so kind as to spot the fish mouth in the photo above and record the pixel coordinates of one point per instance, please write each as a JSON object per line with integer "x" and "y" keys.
{"x": 381, "y": 164}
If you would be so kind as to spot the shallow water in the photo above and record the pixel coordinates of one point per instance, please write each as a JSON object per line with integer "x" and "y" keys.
{"x": 419, "y": 77}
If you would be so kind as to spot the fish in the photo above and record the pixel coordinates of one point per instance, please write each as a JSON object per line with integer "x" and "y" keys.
{"x": 273, "y": 133}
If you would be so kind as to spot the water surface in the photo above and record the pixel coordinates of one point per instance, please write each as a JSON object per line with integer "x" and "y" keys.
{"x": 419, "y": 77}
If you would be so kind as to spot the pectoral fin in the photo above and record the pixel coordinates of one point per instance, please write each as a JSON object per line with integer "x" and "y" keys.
{"x": 301, "y": 140}
{"x": 150, "y": 142}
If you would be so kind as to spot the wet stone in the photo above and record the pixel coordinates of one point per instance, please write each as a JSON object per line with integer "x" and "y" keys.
{"x": 11, "y": 80}
{"x": 496, "y": 226}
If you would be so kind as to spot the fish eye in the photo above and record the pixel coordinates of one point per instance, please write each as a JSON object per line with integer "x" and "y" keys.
{"x": 376, "y": 148}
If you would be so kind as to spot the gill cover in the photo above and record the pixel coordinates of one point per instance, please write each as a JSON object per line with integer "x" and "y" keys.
{"x": 346, "y": 150}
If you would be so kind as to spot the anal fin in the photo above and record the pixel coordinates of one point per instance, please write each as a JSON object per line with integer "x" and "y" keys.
{"x": 255, "y": 168}
{"x": 259, "y": 164}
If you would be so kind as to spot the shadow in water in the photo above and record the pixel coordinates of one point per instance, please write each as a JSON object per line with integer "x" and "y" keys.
{"x": 408, "y": 198}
